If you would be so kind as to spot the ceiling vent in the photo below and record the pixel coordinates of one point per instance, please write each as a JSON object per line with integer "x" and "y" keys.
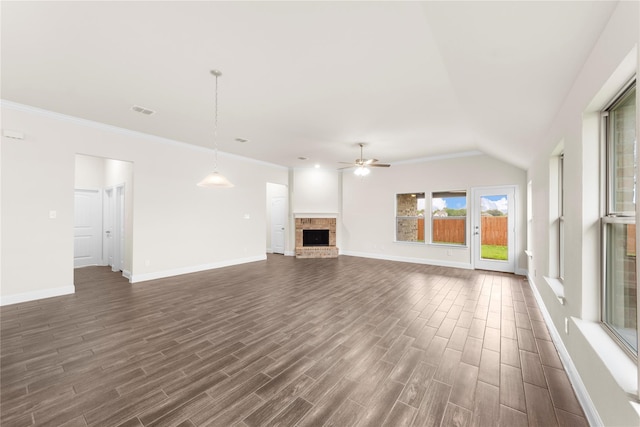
{"x": 142, "y": 110}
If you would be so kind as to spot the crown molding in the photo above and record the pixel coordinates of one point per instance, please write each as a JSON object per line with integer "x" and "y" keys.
{"x": 10, "y": 105}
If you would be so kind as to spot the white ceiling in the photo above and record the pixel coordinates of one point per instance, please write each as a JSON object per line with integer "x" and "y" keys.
{"x": 411, "y": 79}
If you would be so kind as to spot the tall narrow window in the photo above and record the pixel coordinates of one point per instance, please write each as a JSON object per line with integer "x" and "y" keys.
{"x": 410, "y": 217}
{"x": 561, "y": 216}
{"x": 619, "y": 304}
{"x": 449, "y": 217}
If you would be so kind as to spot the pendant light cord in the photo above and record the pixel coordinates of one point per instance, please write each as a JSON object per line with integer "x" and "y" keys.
{"x": 215, "y": 122}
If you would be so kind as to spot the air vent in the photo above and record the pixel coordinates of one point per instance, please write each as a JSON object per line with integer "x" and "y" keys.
{"x": 242, "y": 140}
{"x": 142, "y": 110}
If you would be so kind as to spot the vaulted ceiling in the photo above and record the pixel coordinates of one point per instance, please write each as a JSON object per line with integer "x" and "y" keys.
{"x": 307, "y": 79}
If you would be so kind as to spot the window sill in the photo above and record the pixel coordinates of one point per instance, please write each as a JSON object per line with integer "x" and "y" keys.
{"x": 444, "y": 245}
{"x": 409, "y": 243}
{"x": 557, "y": 287}
{"x": 622, "y": 368}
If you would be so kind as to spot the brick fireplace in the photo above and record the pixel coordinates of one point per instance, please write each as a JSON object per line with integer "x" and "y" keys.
{"x": 324, "y": 251}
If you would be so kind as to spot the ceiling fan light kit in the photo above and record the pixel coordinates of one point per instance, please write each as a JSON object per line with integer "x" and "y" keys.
{"x": 215, "y": 179}
{"x": 362, "y": 165}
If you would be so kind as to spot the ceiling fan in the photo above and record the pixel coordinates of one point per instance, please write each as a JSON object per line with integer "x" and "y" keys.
{"x": 363, "y": 164}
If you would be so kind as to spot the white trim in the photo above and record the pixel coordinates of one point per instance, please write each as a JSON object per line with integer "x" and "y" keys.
{"x": 315, "y": 215}
{"x": 289, "y": 253}
{"x": 619, "y": 364}
{"x": 128, "y": 132}
{"x": 582, "y": 394}
{"x": 557, "y": 287}
{"x": 126, "y": 274}
{"x": 36, "y": 295}
{"x": 521, "y": 271}
{"x": 412, "y": 260}
{"x": 193, "y": 269}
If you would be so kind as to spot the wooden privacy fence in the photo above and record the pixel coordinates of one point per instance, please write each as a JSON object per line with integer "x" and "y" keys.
{"x": 452, "y": 230}
{"x": 449, "y": 230}
{"x": 494, "y": 230}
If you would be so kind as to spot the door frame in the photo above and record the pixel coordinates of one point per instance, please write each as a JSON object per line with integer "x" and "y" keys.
{"x": 477, "y": 262}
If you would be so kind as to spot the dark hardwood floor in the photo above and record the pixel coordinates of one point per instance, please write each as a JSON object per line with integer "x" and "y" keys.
{"x": 309, "y": 342}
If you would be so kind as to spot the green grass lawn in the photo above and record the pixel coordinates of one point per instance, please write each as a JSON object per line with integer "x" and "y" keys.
{"x": 494, "y": 252}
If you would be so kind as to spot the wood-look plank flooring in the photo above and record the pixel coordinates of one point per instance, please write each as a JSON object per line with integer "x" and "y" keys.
{"x": 284, "y": 342}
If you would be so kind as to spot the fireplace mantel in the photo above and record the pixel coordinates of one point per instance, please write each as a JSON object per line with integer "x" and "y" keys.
{"x": 315, "y": 215}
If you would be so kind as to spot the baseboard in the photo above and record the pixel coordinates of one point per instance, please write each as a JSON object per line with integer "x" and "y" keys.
{"x": 582, "y": 394}
{"x": 136, "y": 278}
{"x": 522, "y": 272}
{"x": 36, "y": 295}
{"x": 126, "y": 274}
{"x": 289, "y": 253}
{"x": 439, "y": 263}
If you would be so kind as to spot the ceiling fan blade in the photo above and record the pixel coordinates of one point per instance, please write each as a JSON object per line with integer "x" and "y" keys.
{"x": 379, "y": 165}
{"x": 346, "y": 163}
{"x": 369, "y": 161}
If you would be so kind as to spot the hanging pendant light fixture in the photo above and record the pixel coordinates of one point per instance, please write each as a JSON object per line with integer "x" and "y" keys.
{"x": 215, "y": 179}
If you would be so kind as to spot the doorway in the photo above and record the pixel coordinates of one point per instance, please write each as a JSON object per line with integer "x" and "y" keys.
{"x": 103, "y": 200}
{"x": 493, "y": 228}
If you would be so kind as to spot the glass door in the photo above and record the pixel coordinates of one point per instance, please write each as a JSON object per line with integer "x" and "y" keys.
{"x": 493, "y": 228}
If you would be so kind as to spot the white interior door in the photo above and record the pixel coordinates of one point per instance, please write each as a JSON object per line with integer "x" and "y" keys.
{"x": 114, "y": 236}
{"x": 87, "y": 228}
{"x": 121, "y": 229}
{"x": 109, "y": 216}
{"x": 493, "y": 228}
{"x": 278, "y": 221}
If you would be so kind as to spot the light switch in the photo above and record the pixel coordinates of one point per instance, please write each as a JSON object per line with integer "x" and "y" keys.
{"x": 53, "y": 214}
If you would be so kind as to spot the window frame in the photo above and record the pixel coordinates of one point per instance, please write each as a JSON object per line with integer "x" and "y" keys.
{"x": 609, "y": 216}
{"x": 417, "y": 217}
{"x": 452, "y": 193}
{"x": 561, "y": 223}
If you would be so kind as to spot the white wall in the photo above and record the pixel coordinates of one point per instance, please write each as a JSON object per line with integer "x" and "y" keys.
{"x": 89, "y": 172}
{"x": 600, "y": 371}
{"x": 177, "y": 226}
{"x": 316, "y": 191}
{"x": 369, "y": 206}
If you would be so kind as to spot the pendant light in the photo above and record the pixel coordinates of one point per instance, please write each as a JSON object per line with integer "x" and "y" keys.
{"x": 215, "y": 179}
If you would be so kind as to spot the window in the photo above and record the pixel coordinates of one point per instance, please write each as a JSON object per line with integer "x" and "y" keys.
{"x": 619, "y": 296}
{"x": 410, "y": 217}
{"x": 449, "y": 217}
{"x": 561, "y": 216}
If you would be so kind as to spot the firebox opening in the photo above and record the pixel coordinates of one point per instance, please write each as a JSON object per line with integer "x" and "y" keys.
{"x": 315, "y": 237}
